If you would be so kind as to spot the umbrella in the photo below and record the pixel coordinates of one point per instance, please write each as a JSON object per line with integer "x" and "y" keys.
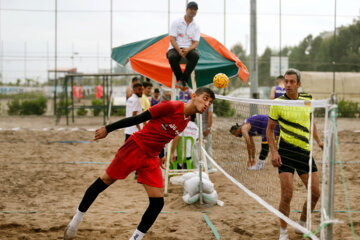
{"x": 148, "y": 58}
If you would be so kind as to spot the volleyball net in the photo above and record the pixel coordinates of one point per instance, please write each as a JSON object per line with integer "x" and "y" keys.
{"x": 231, "y": 153}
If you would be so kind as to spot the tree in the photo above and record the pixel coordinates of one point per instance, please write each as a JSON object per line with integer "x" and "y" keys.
{"x": 264, "y": 68}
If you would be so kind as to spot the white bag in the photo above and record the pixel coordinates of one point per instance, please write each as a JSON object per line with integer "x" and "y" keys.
{"x": 210, "y": 198}
{"x": 191, "y": 200}
{"x": 192, "y": 186}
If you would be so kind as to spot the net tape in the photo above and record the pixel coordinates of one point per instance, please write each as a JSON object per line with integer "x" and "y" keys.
{"x": 294, "y": 103}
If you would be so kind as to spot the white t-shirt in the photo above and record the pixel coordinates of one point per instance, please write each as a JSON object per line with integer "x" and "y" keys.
{"x": 184, "y": 33}
{"x": 192, "y": 131}
{"x": 133, "y": 104}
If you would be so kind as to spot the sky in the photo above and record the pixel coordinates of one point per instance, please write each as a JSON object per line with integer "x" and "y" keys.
{"x": 27, "y": 28}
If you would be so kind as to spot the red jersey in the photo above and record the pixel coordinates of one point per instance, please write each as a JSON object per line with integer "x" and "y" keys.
{"x": 167, "y": 121}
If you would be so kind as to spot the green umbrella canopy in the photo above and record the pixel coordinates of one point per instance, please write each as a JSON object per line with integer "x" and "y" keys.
{"x": 148, "y": 58}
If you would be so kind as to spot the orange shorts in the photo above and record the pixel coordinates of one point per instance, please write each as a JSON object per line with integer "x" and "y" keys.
{"x": 131, "y": 157}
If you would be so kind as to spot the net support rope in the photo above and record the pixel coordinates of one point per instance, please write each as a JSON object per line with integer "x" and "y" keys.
{"x": 261, "y": 201}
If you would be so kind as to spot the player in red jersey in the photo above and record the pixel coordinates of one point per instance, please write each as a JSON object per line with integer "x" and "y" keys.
{"x": 140, "y": 152}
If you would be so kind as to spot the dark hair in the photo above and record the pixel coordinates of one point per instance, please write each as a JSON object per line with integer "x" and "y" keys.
{"x": 281, "y": 77}
{"x": 136, "y": 85}
{"x": 134, "y": 79}
{"x": 234, "y": 128}
{"x": 147, "y": 84}
{"x": 202, "y": 90}
{"x": 156, "y": 90}
{"x": 291, "y": 71}
{"x": 192, "y": 4}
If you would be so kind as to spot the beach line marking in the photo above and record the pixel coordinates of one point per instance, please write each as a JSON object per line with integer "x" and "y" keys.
{"x": 71, "y": 141}
{"x": 212, "y": 227}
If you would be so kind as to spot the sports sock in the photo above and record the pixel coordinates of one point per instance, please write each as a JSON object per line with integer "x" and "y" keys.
{"x": 151, "y": 213}
{"x": 283, "y": 230}
{"x": 76, "y": 220}
{"x": 137, "y": 235}
{"x": 91, "y": 193}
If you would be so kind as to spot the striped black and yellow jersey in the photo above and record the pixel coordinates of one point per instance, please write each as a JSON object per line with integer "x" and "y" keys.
{"x": 294, "y": 122}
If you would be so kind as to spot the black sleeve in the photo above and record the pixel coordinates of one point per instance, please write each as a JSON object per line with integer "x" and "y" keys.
{"x": 162, "y": 153}
{"x": 130, "y": 121}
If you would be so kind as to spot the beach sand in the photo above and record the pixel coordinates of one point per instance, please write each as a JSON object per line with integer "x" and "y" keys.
{"x": 43, "y": 181}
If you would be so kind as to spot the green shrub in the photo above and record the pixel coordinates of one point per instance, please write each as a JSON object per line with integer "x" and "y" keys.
{"x": 223, "y": 108}
{"x": 97, "y": 103}
{"x": 34, "y": 106}
{"x": 61, "y": 106}
{"x": 81, "y": 111}
{"x": 14, "y": 106}
{"x": 118, "y": 111}
{"x": 348, "y": 109}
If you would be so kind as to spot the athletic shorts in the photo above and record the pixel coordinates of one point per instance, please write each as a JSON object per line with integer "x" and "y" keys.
{"x": 295, "y": 159}
{"x": 131, "y": 157}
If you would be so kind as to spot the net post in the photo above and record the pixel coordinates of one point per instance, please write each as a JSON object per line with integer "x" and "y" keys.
{"x": 201, "y": 158}
{"x": 168, "y": 147}
{"x": 309, "y": 188}
{"x": 332, "y": 167}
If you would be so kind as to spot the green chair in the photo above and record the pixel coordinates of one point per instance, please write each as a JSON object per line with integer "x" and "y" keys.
{"x": 179, "y": 157}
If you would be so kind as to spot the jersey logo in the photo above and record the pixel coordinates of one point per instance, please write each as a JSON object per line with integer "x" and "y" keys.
{"x": 164, "y": 126}
{"x": 172, "y": 126}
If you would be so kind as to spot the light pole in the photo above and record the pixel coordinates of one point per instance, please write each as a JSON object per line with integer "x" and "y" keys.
{"x": 72, "y": 58}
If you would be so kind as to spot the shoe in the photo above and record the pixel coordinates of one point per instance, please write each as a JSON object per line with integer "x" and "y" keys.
{"x": 258, "y": 166}
{"x": 212, "y": 170}
{"x": 284, "y": 236}
{"x": 70, "y": 232}
{"x": 303, "y": 224}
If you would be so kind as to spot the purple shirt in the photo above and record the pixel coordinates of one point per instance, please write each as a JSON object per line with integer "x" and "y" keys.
{"x": 154, "y": 102}
{"x": 258, "y": 126}
{"x": 187, "y": 96}
{"x": 279, "y": 91}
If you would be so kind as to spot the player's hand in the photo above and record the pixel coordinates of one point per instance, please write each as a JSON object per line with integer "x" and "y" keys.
{"x": 185, "y": 51}
{"x": 321, "y": 145}
{"x": 207, "y": 132}
{"x": 100, "y": 133}
{"x": 182, "y": 53}
{"x": 173, "y": 158}
{"x": 162, "y": 162}
{"x": 276, "y": 160}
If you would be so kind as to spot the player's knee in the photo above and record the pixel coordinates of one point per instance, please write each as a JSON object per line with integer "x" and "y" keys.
{"x": 286, "y": 196}
{"x": 107, "y": 179}
{"x": 156, "y": 204}
{"x": 173, "y": 56}
{"x": 194, "y": 55}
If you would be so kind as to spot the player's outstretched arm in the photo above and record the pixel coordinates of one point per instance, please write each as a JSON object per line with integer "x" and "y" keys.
{"x": 130, "y": 121}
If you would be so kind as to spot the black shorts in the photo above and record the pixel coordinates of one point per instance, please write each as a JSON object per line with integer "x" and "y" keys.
{"x": 294, "y": 158}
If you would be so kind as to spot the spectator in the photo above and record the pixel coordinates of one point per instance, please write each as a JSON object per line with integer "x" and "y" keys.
{"x": 99, "y": 91}
{"x": 279, "y": 89}
{"x": 129, "y": 89}
{"x": 133, "y": 108}
{"x": 184, "y": 39}
{"x": 156, "y": 98}
{"x": 145, "y": 99}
